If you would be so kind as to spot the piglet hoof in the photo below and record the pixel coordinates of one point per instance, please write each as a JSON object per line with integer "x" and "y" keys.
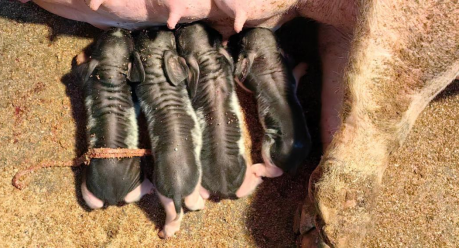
{"x": 161, "y": 234}
{"x": 343, "y": 196}
{"x": 168, "y": 232}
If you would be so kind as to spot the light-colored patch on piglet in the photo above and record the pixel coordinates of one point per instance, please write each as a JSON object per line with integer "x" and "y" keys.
{"x": 132, "y": 137}
{"x": 197, "y": 129}
{"x": 148, "y": 111}
{"x": 236, "y": 109}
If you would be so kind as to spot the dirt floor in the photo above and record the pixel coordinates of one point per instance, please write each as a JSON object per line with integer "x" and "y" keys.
{"x": 42, "y": 118}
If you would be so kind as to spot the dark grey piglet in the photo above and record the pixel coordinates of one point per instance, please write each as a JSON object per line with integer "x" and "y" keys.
{"x": 225, "y": 159}
{"x": 173, "y": 126}
{"x": 111, "y": 123}
{"x": 261, "y": 68}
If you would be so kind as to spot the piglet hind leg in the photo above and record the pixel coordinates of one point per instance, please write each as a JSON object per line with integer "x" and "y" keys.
{"x": 267, "y": 169}
{"x": 204, "y": 193}
{"x": 91, "y": 200}
{"x": 403, "y": 54}
{"x": 251, "y": 180}
{"x": 172, "y": 222}
{"x": 146, "y": 187}
{"x": 195, "y": 200}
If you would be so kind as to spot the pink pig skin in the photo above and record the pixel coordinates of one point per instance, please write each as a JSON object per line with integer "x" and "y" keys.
{"x": 132, "y": 14}
{"x": 227, "y": 16}
{"x": 243, "y": 10}
{"x": 171, "y": 10}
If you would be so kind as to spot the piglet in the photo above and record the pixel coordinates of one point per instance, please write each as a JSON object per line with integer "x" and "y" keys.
{"x": 174, "y": 130}
{"x": 225, "y": 159}
{"x": 111, "y": 123}
{"x": 261, "y": 69}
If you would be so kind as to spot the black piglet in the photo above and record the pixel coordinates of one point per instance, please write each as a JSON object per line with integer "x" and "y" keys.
{"x": 262, "y": 69}
{"x": 174, "y": 130}
{"x": 111, "y": 122}
{"x": 225, "y": 155}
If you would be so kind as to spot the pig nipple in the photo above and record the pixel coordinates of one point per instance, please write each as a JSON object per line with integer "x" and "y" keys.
{"x": 94, "y": 4}
{"x": 173, "y": 19}
{"x": 240, "y": 19}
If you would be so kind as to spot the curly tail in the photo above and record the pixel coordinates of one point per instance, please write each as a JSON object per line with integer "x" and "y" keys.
{"x": 177, "y": 200}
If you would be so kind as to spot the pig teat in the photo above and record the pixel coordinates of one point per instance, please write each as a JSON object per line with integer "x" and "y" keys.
{"x": 236, "y": 9}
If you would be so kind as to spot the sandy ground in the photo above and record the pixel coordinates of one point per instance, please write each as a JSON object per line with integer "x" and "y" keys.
{"x": 42, "y": 118}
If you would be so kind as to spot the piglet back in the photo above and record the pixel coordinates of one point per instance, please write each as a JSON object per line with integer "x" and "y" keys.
{"x": 111, "y": 119}
{"x": 173, "y": 127}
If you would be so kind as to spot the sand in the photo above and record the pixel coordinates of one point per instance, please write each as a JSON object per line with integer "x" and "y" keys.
{"x": 42, "y": 118}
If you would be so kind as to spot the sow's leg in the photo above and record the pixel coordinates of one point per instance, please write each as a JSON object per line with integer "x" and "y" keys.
{"x": 402, "y": 55}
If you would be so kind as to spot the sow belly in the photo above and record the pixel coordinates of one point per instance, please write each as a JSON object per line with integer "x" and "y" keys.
{"x": 137, "y": 14}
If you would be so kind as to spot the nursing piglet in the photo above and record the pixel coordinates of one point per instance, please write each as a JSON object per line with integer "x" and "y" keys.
{"x": 111, "y": 123}
{"x": 225, "y": 160}
{"x": 174, "y": 130}
{"x": 261, "y": 68}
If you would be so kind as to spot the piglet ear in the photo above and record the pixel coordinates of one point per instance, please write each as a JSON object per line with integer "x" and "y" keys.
{"x": 243, "y": 66}
{"x": 176, "y": 69}
{"x": 86, "y": 69}
{"x": 194, "y": 75}
{"x": 136, "y": 73}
